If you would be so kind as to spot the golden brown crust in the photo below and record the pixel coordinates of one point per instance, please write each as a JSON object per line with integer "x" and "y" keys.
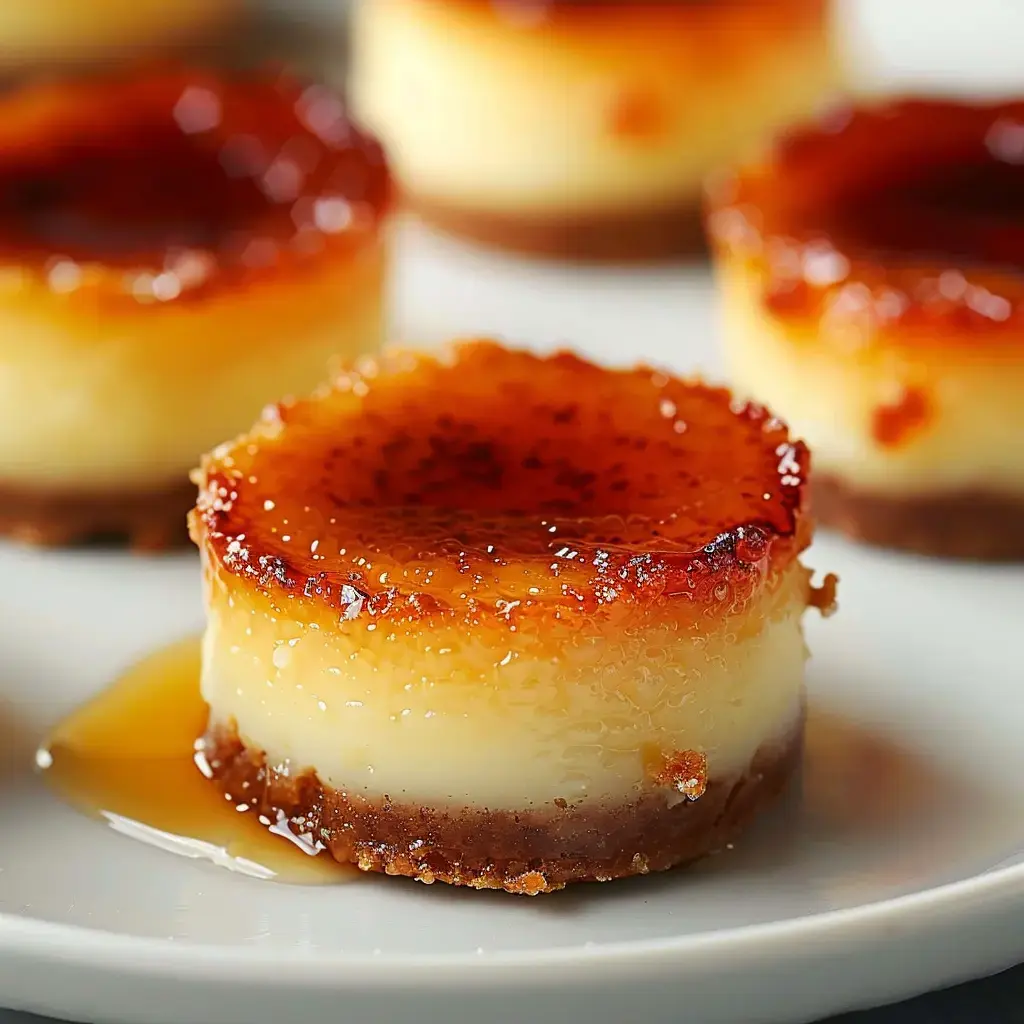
{"x": 488, "y": 480}
{"x": 896, "y": 225}
{"x": 636, "y": 236}
{"x": 685, "y": 771}
{"x": 976, "y": 526}
{"x": 160, "y": 185}
{"x": 150, "y": 520}
{"x": 536, "y": 850}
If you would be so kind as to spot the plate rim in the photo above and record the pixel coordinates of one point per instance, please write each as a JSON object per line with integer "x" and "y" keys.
{"x": 962, "y": 900}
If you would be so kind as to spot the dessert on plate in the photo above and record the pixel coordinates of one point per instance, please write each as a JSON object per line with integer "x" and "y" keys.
{"x": 579, "y": 129}
{"x": 176, "y": 249}
{"x": 34, "y": 31}
{"x": 871, "y": 269}
{"x": 506, "y": 621}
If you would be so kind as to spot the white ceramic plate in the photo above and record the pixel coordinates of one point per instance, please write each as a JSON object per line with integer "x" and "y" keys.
{"x": 899, "y": 865}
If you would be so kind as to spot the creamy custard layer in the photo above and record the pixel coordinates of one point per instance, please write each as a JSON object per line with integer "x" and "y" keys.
{"x": 964, "y": 423}
{"x": 94, "y": 398}
{"x": 497, "y": 718}
{"x": 484, "y": 113}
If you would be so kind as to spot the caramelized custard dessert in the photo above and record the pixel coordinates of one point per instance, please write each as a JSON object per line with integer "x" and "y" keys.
{"x": 504, "y": 621}
{"x": 578, "y": 129}
{"x": 871, "y": 269}
{"x": 86, "y": 30}
{"x": 175, "y": 251}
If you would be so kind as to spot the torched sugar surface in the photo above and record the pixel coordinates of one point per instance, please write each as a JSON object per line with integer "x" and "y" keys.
{"x": 905, "y": 218}
{"x": 193, "y": 181}
{"x": 459, "y": 484}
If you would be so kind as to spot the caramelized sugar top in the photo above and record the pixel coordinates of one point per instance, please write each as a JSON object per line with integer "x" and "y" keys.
{"x": 167, "y": 181}
{"x": 909, "y": 214}
{"x": 488, "y": 479}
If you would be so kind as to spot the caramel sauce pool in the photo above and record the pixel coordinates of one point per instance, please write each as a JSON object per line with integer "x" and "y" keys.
{"x": 128, "y": 758}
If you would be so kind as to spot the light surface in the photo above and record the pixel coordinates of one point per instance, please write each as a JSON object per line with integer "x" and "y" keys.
{"x": 902, "y": 867}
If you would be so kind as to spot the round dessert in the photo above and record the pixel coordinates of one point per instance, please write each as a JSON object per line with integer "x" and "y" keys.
{"x": 176, "y": 250}
{"x": 578, "y": 129}
{"x": 504, "y": 621}
{"x": 80, "y": 30}
{"x": 871, "y": 269}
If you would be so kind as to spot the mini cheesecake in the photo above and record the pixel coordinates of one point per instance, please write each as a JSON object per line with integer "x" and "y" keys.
{"x": 871, "y": 270}
{"x": 504, "y": 621}
{"x": 176, "y": 250}
{"x": 51, "y": 31}
{"x": 579, "y": 129}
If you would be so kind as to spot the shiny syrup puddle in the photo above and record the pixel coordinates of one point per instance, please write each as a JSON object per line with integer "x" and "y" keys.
{"x": 128, "y": 758}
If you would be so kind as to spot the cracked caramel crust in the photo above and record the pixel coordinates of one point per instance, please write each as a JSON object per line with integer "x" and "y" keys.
{"x": 484, "y": 480}
{"x": 151, "y": 520}
{"x": 635, "y": 236}
{"x": 534, "y": 851}
{"x": 975, "y": 526}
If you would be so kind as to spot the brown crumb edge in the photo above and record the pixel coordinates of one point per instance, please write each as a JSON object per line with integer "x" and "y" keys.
{"x": 824, "y": 598}
{"x": 641, "y": 236}
{"x": 969, "y": 525}
{"x": 534, "y": 851}
{"x": 143, "y": 521}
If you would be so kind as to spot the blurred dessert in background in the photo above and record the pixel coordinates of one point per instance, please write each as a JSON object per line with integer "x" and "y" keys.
{"x": 506, "y": 621}
{"x": 74, "y": 31}
{"x": 871, "y": 270}
{"x": 579, "y": 129}
{"x": 176, "y": 249}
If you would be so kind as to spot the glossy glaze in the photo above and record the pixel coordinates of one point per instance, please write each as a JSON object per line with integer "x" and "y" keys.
{"x": 493, "y": 479}
{"x": 160, "y": 184}
{"x": 906, "y": 218}
{"x": 130, "y": 757}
